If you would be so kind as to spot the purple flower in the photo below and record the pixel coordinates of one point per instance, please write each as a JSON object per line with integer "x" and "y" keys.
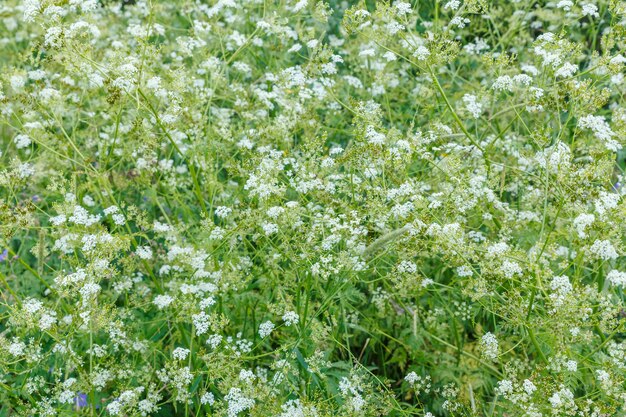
{"x": 617, "y": 186}
{"x": 36, "y": 199}
{"x": 4, "y": 255}
{"x": 81, "y": 400}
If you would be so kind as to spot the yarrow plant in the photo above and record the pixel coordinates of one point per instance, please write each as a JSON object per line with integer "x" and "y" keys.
{"x": 312, "y": 208}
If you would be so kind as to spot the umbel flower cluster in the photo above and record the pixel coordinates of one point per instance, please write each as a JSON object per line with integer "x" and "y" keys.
{"x": 306, "y": 208}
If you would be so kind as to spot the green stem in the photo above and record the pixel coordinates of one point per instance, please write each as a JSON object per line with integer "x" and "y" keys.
{"x": 454, "y": 115}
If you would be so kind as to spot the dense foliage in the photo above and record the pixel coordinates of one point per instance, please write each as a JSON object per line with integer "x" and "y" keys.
{"x": 306, "y": 208}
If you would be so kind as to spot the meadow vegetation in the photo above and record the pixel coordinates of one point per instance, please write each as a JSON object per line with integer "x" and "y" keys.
{"x": 299, "y": 208}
